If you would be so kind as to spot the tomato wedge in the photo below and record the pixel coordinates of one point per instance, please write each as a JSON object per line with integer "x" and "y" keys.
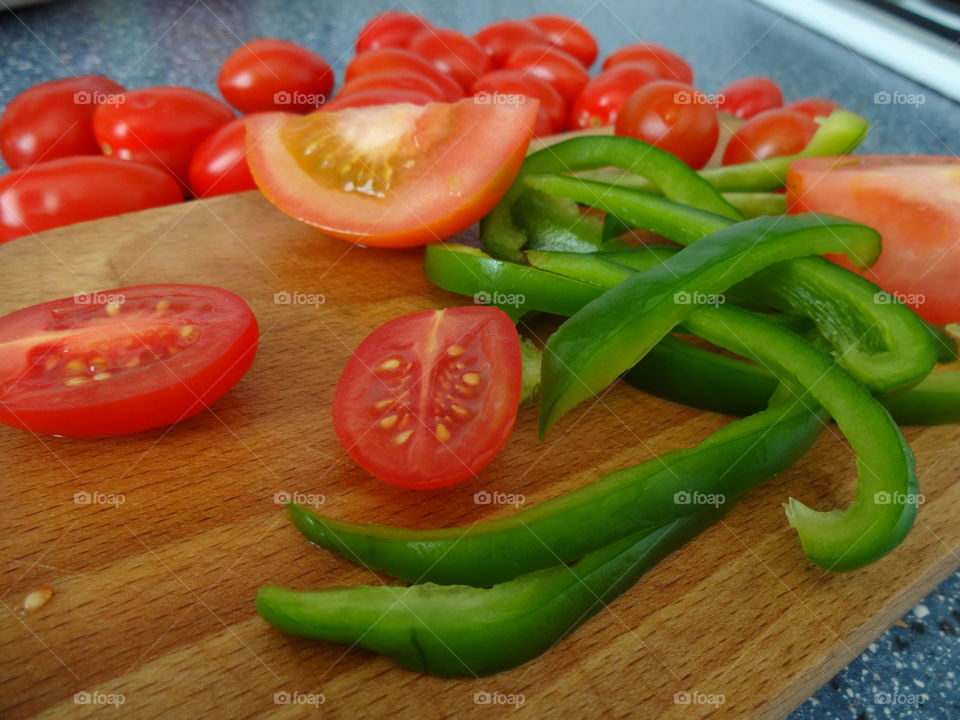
{"x": 429, "y": 399}
{"x": 914, "y": 202}
{"x": 120, "y": 361}
{"x": 391, "y": 175}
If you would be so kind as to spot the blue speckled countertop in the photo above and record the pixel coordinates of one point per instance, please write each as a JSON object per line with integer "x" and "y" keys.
{"x": 910, "y": 671}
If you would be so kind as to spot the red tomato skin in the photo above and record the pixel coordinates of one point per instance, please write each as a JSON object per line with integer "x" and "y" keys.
{"x": 374, "y": 96}
{"x": 452, "y": 52}
{"x": 161, "y": 127}
{"x": 912, "y": 201}
{"x": 663, "y": 63}
{"x": 389, "y": 29}
{"x": 750, "y": 96}
{"x": 666, "y": 114}
{"x": 219, "y": 166}
{"x": 395, "y": 81}
{"x": 269, "y": 74}
{"x": 552, "y": 65}
{"x": 54, "y": 120}
{"x": 568, "y": 35}
{"x": 486, "y": 333}
{"x": 550, "y": 114}
{"x": 499, "y": 39}
{"x": 813, "y": 107}
{"x": 76, "y": 189}
{"x": 770, "y": 134}
{"x": 94, "y": 414}
{"x": 599, "y": 103}
{"x": 399, "y": 60}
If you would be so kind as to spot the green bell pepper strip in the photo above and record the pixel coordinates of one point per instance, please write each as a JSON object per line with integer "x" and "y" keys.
{"x": 457, "y": 631}
{"x": 883, "y": 344}
{"x": 624, "y": 502}
{"x": 555, "y": 223}
{"x": 502, "y": 238}
{"x": 611, "y": 334}
{"x": 838, "y": 134}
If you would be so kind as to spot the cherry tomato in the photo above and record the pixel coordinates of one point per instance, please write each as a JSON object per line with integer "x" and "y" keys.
{"x": 914, "y": 202}
{"x": 429, "y": 399}
{"x": 397, "y": 60}
{"x": 568, "y": 35}
{"x": 750, "y": 96}
{"x": 769, "y": 134}
{"x": 376, "y": 96}
{"x": 452, "y": 52}
{"x": 78, "y": 188}
{"x": 392, "y": 175}
{"x": 499, "y": 39}
{"x": 269, "y": 74}
{"x": 813, "y": 107}
{"x": 219, "y": 166}
{"x": 160, "y": 126}
{"x": 53, "y": 120}
{"x": 395, "y": 81}
{"x": 552, "y": 110}
{"x": 389, "y": 29}
{"x": 600, "y": 101}
{"x": 553, "y": 65}
{"x": 121, "y": 361}
{"x": 675, "y": 118}
{"x": 663, "y": 63}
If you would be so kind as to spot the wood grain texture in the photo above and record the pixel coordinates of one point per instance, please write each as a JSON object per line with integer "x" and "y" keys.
{"x": 153, "y": 598}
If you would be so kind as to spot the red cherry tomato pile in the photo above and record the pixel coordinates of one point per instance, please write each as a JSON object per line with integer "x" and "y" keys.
{"x": 643, "y": 90}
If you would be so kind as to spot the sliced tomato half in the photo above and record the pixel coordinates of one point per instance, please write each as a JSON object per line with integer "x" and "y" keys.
{"x": 391, "y": 175}
{"x": 429, "y": 399}
{"x": 913, "y": 202}
{"x": 120, "y": 361}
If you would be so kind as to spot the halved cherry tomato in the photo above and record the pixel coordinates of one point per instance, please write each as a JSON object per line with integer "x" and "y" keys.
{"x": 663, "y": 63}
{"x": 79, "y": 188}
{"x": 389, "y": 29}
{"x": 398, "y": 60}
{"x": 219, "y": 166}
{"x": 769, "y": 134}
{"x": 600, "y": 101}
{"x": 501, "y": 38}
{"x": 429, "y": 399}
{"x": 750, "y": 96}
{"x": 121, "y": 361}
{"x": 376, "y": 96}
{"x": 159, "y": 126}
{"x": 914, "y": 202}
{"x": 394, "y": 81}
{"x": 452, "y": 52}
{"x": 552, "y": 65}
{"x": 813, "y": 107}
{"x": 568, "y": 35}
{"x": 674, "y": 117}
{"x": 268, "y": 74}
{"x": 392, "y": 175}
{"x": 54, "y": 120}
{"x": 552, "y": 111}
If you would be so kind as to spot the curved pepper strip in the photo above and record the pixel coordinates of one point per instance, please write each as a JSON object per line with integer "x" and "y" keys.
{"x": 502, "y": 238}
{"x": 636, "y": 499}
{"x": 611, "y": 334}
{"x": 884, "y": 345}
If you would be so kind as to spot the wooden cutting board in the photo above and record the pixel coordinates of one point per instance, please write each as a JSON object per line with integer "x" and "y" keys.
{"x": 153, "y": 597}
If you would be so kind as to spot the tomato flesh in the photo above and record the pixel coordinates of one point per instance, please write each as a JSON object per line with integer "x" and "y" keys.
{"x": 429, "y": 399}
{"x": 121, "y": 361}
{"x": 391, "y": 175}
{"x": 913, "y": 201}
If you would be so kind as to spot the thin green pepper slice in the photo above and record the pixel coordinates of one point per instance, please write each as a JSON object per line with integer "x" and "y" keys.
{"x": 611, "y": 334}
